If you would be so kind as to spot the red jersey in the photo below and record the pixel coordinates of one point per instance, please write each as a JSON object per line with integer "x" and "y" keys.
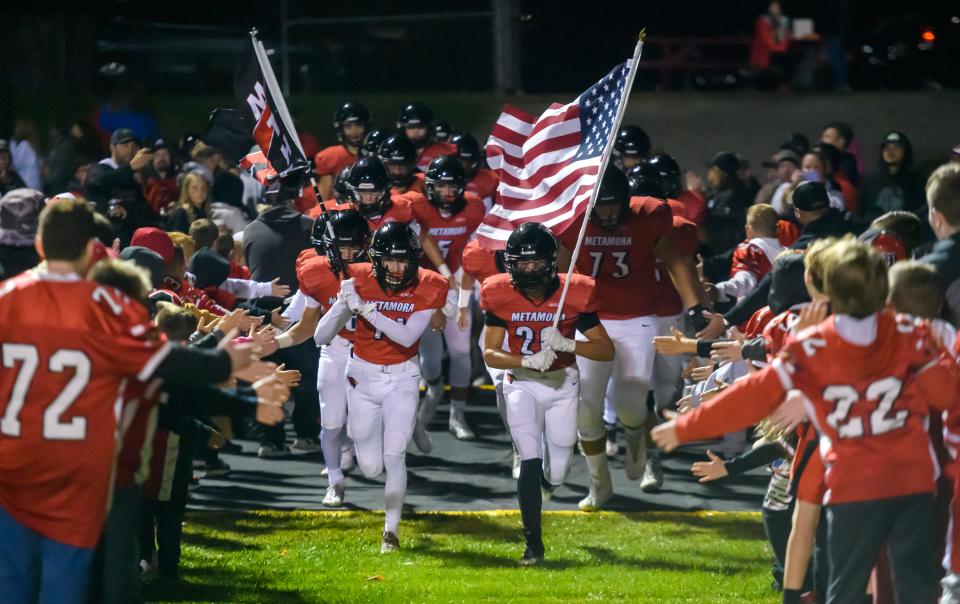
{"x": 686, "y": 242}
{"x": 68, "y": 347}
{"x": 479, "y": 262}
{"x": 399, "y": 210}
{"x": 484, "y": 185}
{"x": 330, "y": 204}
{"x": 869, "y": 403}
{"x": 333, "y": 159}
{"x": 694, "y": 207}
{"x": 450, "y": 232}
{"x": 621, "y": 259}
{"x": 524, "y": 320}
{"x": 161, "y": 192}
{"x": 138, "y": 422}
{"x": 417, "y": 185}
{"x": 787, "y": 232}
{"x": 780, "y": 328}
{"x": 316, "y": 279}
{"x": 755, "y": 256}
{"x": 370, "y": 344}
{"x": 432, "y": 150}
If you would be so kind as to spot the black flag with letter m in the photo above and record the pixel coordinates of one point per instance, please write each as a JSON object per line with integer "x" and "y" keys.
{"x": 262, "y": 107}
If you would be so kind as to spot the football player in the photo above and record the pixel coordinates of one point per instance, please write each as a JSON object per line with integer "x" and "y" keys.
{"x": 395, "y": 299}
{"x": 416, "y": 122}
{"x": 540, "y": 384}
{"x": 400, "y": 158}
{"x": 451, "y": 216}
{"x": 320, "y": 285}
{"x": 481, "y": 181}
{"x": 693, "y": 204}
{"x": 630, "y": 148}
{"x": 371, "y": 143}
{"x": 351, "y": 121}
{"x": 622, "y": 242}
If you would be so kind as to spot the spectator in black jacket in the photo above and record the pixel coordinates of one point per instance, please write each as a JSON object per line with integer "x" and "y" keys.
{"x": 272, "y": 243}
{"x": 9, "y": 179}
{"x": 114, "y": 186}
{"x": 727, "y": 210}
{"x": 895, "y": 185}
{"x": 943, "y": 195}
{"x": 19, "y": 215}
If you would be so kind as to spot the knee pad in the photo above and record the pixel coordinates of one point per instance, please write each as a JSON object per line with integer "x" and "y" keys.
{"x": 590, "y": 422}
{"x": 369, "y": 468}
{"x": 394, "y": 443}
{"x": 528, "y": 444}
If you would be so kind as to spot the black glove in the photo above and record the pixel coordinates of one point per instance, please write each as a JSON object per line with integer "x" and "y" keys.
{"x": 695, "y": 314}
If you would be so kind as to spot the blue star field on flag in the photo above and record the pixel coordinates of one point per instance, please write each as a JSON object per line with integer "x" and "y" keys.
{"x": 598, "y": 110}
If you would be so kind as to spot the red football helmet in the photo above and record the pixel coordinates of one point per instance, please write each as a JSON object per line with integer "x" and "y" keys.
{"x": 889, "y": 246}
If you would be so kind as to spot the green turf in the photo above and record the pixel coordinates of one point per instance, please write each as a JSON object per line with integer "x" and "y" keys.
{"x": 334, "y": 557}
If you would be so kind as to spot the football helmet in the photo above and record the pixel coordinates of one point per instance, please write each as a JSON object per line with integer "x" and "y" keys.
{"x": 442, "y": 131}
{"x": 631, "y": 142}
{"x": 400, "y": 157}
{"x": 417, "y": 115}
{"x": 350, "y": 230}
{"x": 645, "y": 181}
{"x": 445, "y": 170}
{"x": 614, "y": 194}
{"x": 395, "y": 241}
{"x": 340, "y": 186}
{"x": 368, "y": 187}
{"x": 669, "y": 172}
{"x": 468, "y": 151}
{"x": 351, "y": 112}
{"x": 530, "y": 258}
{"x": 888, "y": 245}
{"x": 371, "y": 143}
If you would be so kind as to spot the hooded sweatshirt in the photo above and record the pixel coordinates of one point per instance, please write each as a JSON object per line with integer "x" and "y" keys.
{"x": 272, "y": 243}
{"x": 883, "y": 192}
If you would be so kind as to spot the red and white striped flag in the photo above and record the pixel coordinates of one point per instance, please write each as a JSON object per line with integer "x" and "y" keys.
{"x": 549, "y": 166}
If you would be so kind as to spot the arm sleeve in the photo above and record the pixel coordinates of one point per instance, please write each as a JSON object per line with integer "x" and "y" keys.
{"x": 587, "y": 321}
{"x": 750, "y": 303}
{"x": 404, "y": 334}
{"x": 209, "y": 340}
{"x": 298, "y": 303}
{"x": 331, "y": 323}
{"x": 738, "y": 285}
{"x": 247, "y": 288}
{"x": 204, "y": 401}
{"x": 754, "y": 458}
{"x": 740, "y": 406}
{"x": 493, "y": 320}
{"x": 191, "y": 366}
{"x": 938, "y": 382}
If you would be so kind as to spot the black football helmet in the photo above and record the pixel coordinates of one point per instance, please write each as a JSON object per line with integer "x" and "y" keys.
{"x": 350, "y": 230}
{"x": 400, "y": 157}
{"x": 468, "y": 151}
{"x": 368, "y": 187}
{"x": 631, "y": 142}
{"x": 395, "y": 241}
{"x": 645, "y": 181}
{"x": 442, "y": 131}
{"x": 351, "y": 112}
{"x": 669, "y": 172}
{"x": 532, "y": 241}
{"x": 447, "y": 170}
{"x": 417, "y": 115}
{"x": 340, "y": 186}
{"x": 371, "y": 143}
{"x": 614, "y": 192}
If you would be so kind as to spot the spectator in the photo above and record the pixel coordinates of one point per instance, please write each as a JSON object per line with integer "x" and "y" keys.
{"x": 727, "y": 209}
{"x": 840, "y": 135}
{"x": 19, "y": 214}
{"x": 813, "y": 168}
{"x": 160, "y": 188}
{"x": 23, "y": 148}
{"x": 9, "y": 179}
{"x": 204, "y": 233}
{"x": 782, "y": 166}
{"x": 832, "y": 157}
{"x": 895, "y": 185}
{"x": 113, "y": 185}
{"x": 771, "y": 41}
{"x": 194, "y": 203}
{"x": 943, "y": 195}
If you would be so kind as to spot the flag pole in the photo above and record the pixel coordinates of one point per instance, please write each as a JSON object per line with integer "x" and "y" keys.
{"x": 605, "y": 159}
{"x": 274, "y": 87}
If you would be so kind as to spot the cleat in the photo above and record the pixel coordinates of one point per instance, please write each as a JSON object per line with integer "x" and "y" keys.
{"x": 324, "y": 471}
{"x": 390, "y": 543}
{"x": 421, "y": 438}
{"x": 215, "y": 468}
{"x": 635, "y": 460}
{"x": 458, "y": 427}
{"x": 532, "y": 556}
{"x": 269, "y": 451}
{"x": 308, "y": 445}
{"x": 334, "y": 495}
{"x": 547, "y": 490}
{"x": 516, "y": 466}
{"x": 652, "y": 475}
{"x": 598, "y": 496}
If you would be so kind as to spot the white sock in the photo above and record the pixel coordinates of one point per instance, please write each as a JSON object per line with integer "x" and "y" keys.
{"x": 394, "y": 490}
{"x": 598, "y": 468}
{"x": 458, "y": 408}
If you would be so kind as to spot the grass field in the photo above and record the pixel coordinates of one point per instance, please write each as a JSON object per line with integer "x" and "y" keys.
{"x": 296, "y": 557}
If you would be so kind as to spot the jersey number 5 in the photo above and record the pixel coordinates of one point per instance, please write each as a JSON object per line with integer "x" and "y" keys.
{"x": 619, "y": 258}
{"x": 60, "y": 361}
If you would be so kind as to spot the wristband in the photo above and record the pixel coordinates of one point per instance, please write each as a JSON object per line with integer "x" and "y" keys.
{"x": 284, "y": 340}
{"x": 463, "y": 300}
{"x": 444, "y": 270}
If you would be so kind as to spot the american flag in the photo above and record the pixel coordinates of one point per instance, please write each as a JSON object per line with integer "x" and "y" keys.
{"x": 548, "y": 166}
